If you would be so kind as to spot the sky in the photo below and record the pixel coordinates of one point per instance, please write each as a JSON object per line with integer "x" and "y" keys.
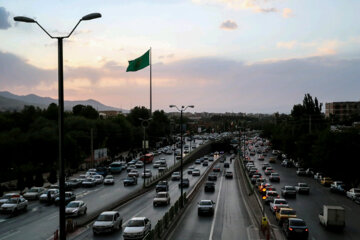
{"x": 254, "y": 56}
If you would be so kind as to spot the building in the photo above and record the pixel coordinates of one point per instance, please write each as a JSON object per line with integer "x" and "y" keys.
{"x": 341, "y": 110}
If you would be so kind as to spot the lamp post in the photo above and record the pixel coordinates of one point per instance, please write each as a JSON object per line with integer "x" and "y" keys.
{"x": 181, "y": 110}
{"x": 61, "y": 111}
{"x": 144, "y": 123}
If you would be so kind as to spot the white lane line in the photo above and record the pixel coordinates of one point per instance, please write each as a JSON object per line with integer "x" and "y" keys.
{"x": 216, "y": 210}
{"x": 9, "y": 235}
{"x": 2, "y": 220}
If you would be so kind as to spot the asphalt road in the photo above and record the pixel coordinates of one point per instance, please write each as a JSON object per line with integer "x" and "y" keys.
{"x": 309, "y": 206}
{"x": 142, "y": 206}
{"x": 231, "y": 219}
{"x": 41, "y": 220}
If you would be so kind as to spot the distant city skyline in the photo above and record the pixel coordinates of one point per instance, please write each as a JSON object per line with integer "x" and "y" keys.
{"x": 253, "y": 56}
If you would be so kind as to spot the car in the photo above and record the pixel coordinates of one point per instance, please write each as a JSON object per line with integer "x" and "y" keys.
{"x": 34, "y": 193}
{"x": 318, "y": 176}
{"x": 130, "y": 181}
{"x": 73, "y": 183}
{"x": 196, "y": 172}
{"x": 288, "y": 191}
{"x": 353, "y": 193}
{"x": 175, "y": 176}
{"x": 302, "y": 188}
{"x": 197, "y": 161}
{"x": 137, "y": 228}
{"x": 14, "y": 204}
{"x": 146, "y": 174}
{"x": 270, "y": 196}
{"x": 261, "y": 157}
{"x": 99, "y": 179}
{"x": 209, "y": 187}
{"x": 338, "y": 187}
{"x": 326, "y": 181}
{"x": 310, "y": 172}
{"x": 265, "y": 165}
{"x": 109, "y": 180}
{"x": 212, "y": 177}
{"x": 259, "y": 181}
{"x": 89, "y": 182}
{"x": 357, "y": 200}
{"x": 301, "y": 172}
{"x": 276, "y": 204}
{"x": 295, "y": 228}
{"x": 205, "y": 164}
{"x": 189, "y": 171}
{"x": 222, "y": 159}
{"x": 254, "y": 178}
{"x": 49, "y": 195}
{"x": 229, "y": 174}
{"x": 133, "y": 173}
{"x": 161, "y": 198}
{"x": 162, "y": 186}
{"x": 253, "y": 172}
{"x": 139, "y": 164}
{"x": 163, "y": 164}
{"x": 272, "y": 160}
{"x": 69, "y": 196}
{"x": 226, "y": 165}
{"x": 274, "y": 177}
{"x": 130, "y": 167}
{"x": 75, "y": 208}
{"x": 156, "y": 164}
{"x": 108, "y": 221}
{"x": 268, "y": 171}
{"x": 185, "y": 183}
{"x": 284, "y": 214}
{"x": 206, "y": 207}
{"x": 6, "y": 197}
{"x": 161, "y": 169}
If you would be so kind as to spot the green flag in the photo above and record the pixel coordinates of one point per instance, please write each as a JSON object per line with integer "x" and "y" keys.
{"x": 139, "y": 63}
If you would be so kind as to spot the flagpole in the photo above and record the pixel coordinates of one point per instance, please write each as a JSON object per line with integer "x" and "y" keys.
{"x": 150, "y": 86}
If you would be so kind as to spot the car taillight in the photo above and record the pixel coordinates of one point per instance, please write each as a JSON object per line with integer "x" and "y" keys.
{"x": 306, "y": 230}
{"x": 290, "y": 229}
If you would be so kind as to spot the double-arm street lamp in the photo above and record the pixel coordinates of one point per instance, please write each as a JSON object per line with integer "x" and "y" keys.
{"x": 61, "y": 111}
{"x": 181, "y": 110}
{"x": 145, "y": 124}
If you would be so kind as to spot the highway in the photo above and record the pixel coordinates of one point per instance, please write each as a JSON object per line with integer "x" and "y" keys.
{"x": 309, "y": 206}
{"x": 142, "y": 207}
{"x": 231, "y": 219}
{"x": 41, "y": 220}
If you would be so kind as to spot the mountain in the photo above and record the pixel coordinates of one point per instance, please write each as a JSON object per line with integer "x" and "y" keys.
{"x": 9, "y": 101}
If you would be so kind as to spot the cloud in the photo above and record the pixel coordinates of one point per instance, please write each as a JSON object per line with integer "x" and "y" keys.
{"x": 317, "y": 48}
{"x": 287, "y": 12}
{"x": 229, "y": 25}
{"x": 288, "y": 45}
{"x": 171, "y": 55}
{"x": 4, "y": 18}
{"x": 210, "y": 83}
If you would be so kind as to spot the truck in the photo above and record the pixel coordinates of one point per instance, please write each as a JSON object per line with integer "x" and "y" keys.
{"x": 332, "y": 217}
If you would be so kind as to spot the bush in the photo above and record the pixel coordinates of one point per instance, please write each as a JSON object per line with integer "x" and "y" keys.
{"x": 171, "y": 213}
{"x": 166, "y": 220}
{"x": 159, "y": 228}
{"x": 176, "y": 206}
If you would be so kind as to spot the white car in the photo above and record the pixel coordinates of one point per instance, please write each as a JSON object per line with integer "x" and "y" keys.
{"x": 147, "y": 173}
{"x": 49, "y": 195}
{"x": 277, "y": 204}
{"x": 109, "y": 180}
{"x": 34, "y": 193}
{"x": 195, "y": 172}
{"x": 98, "y": 179}
{"x": 14, "y": 204}
{"x": 161, "y": 198}
{"x": 6, "y": 197}
{"x": 157, "y": 164}
{"x": 175, "y": 176}
{"x": 107, "y": 222}
{"x": 353, "y": 193}
{"x": 133, "y": 173}
{"x": 75, "y": 208}
{"x": 137, "y": 228}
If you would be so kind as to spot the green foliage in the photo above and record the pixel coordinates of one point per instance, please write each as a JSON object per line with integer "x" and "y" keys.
{"x": 166, "y": 220}
{"x": 52, "y": 178}
{"x": 171, "y": 213}
{"x": 85, "y": 111}
{"x": 159, "y": 228}
{"x": 176, "y": 206}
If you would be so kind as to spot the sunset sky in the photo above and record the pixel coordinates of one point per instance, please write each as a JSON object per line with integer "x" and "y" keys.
{"x": 219, "y": 55}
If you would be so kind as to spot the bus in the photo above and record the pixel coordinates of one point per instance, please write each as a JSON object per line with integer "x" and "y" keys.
{"x": 149, "y": 157}
{"x": 116, "y": 167}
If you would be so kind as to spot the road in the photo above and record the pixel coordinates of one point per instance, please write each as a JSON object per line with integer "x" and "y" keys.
{"x": 143, "y": 206}
{"x": 231, "y": 219}
{"x": 308, "y": 207}
{"x": 41, "y": 220}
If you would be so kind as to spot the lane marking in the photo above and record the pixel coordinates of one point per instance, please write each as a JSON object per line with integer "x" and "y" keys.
{"x": 2, "y": 220}
{"x": 9, "y": 235}
{"x": 216, "y": 210}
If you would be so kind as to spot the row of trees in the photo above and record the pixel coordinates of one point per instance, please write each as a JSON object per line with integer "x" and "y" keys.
{"x": 305, "y": 135}
{"x": 29, "y": 138}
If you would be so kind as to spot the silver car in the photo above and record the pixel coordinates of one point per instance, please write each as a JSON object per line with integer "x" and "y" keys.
{"x": 34, "y": 193}
{"x": 137, "y": 228}
{"x": 107, "y": 222}
{"x": 49, "y": 195}
{"x": 75, "y": 208}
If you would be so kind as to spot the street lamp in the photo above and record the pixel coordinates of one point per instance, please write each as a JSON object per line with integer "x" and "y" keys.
{"x": 144, "y": 123}
{"x": 181, "y": 110}
{"x": 61, "y": 110}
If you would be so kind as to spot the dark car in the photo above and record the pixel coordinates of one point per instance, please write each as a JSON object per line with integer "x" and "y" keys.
{"x": 69, "y": 196}
{"x": 226, "y": 165}
{"x": 162, "y": 186}
{"x": 338, "y": 187}
{"x": 102, "y": 171}
{"x": 216, "y": 168}
{"x": 254, "y": 178}
{"x": 295, "y": 228}
{"x": 128, "y": 181}
{"x": 205, "y": 164}
{"x": 212, "y": 177}
{"x": 209, "y": 187}
{"x": 186, "y": 183}
{"x": 288, "y": 191}
{"x": 73, "y": 183}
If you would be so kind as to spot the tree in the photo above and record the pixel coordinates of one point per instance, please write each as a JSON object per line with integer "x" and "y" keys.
{"x": 20, "y": 182}
{"x": 29, "y": 180}
{"x": 39, "y": 180}
{"x": 52, "y": 177}
{"x": 85, "y": 111}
